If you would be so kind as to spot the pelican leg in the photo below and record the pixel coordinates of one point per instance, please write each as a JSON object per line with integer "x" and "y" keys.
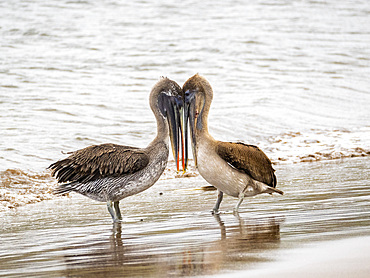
{"x": 118, "y": 211}
{"x": 111, "y": 211}
{"x": 241, "y": 198}
{"x": 218, "y": 202}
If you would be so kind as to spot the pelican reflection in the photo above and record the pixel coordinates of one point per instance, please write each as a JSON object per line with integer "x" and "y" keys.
{"x": 158, "y": 249}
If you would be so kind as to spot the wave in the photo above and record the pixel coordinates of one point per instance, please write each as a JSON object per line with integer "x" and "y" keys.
{"x": 317, "y": 145}
{"x": 19, "y": 188}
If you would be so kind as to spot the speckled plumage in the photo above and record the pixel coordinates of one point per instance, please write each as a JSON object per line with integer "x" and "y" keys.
{"x": 99, "y": 161}
{"x": 119, "y": 173}
{"x": 111, "y": 172}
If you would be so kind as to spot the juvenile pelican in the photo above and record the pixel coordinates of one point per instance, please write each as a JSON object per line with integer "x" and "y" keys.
{"x": 237, "y": 169}
{"x": 111, "y": 172}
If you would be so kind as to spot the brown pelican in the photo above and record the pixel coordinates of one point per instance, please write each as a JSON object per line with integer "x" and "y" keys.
{"x": 237, "y": 169}
{"x": 111, "y": 172}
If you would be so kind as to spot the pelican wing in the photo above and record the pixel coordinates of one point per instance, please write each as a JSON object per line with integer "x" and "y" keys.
{"x": 249, "y": 159}
{"x": 99, "y": 161}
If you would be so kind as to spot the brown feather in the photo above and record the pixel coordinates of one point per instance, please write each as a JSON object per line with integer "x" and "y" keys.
{"x": 249, "y": 159}
{"x": 99, "y": 161}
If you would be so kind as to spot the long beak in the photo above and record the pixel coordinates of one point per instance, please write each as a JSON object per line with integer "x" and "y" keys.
{"x": 189, "y": 115}
{"x": 179, "y": 112}
{"x": 183, "y": 140}
{"x": 173, "y": 108}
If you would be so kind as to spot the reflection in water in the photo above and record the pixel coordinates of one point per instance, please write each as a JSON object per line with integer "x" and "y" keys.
{"x": 116, "y": 243}
{"x": 253, "y": 231}
{"x": 234, "y": 245}
{"x": 247, "y": 241}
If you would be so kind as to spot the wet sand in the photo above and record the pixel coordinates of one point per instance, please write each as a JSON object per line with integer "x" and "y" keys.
{"x": 319, "y": 227}
{"x": 339, "y": 258}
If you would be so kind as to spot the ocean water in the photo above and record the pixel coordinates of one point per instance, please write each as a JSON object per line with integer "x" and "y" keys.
{"x": 289, "y": 76}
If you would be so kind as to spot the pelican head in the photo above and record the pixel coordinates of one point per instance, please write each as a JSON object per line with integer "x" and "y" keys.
{"x": 197, "y": 98}
{"x": 166, "y": 101}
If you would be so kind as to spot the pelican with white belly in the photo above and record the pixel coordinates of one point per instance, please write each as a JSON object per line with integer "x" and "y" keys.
{"x": 237, "y": 169}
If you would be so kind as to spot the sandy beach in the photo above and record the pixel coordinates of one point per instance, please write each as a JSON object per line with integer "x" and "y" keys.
{"x": 338, "y": 258}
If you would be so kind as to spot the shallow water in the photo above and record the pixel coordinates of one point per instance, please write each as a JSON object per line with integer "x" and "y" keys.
{"x": 168, "y": 230}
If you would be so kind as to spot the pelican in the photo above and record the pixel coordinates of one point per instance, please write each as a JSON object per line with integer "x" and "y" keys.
{"x": 237, "y": 169}
{"x": 110, "y": 172}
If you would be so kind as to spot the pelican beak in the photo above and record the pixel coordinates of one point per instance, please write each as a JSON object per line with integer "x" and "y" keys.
{"x": 180, "y": 122}
{"x": 189, "y": 114}
{"x": 173, "y": 108}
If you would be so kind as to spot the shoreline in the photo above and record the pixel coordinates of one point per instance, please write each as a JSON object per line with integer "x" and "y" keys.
{"x": 20, "y": 188}
{"x": 168, "y": 230}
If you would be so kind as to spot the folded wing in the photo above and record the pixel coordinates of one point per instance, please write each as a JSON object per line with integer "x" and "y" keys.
{"x": 249, "y": 159}
{"x": 99, "y": 161}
